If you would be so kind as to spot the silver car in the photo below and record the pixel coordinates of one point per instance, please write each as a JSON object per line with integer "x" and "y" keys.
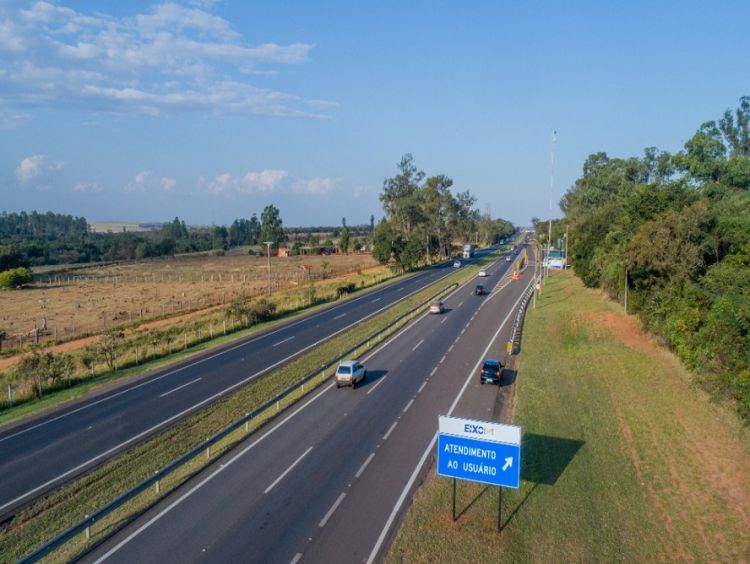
{"x": 350, "y": 373}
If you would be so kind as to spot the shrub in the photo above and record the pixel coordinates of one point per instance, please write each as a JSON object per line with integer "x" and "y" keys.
{"x": 15, "y": 277}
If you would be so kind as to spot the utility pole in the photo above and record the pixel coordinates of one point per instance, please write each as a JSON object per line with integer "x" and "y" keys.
{"x": 268, "y": 251}
{"x": 551, "y": 188}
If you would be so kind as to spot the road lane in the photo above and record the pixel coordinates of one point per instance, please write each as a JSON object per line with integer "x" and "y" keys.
{"x": 354, "y": 436}
{"x": 38, "y": 455}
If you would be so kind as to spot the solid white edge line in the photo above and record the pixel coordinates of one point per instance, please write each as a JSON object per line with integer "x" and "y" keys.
{"x": 362, "y": 468}
{"x": 281, "y": 477}
{"x": 418, "y": 467}
{"x": 331, "y": 510}
{"x": 208, "y": 478}
{"x": 195, "y": 406}
{"x": 389, "y": 431}
{"x": 180, "y": 387}
{"x": 230, "y": 349}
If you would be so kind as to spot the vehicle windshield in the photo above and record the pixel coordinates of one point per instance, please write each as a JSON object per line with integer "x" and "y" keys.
{"x": 345, "y": 370}
{"x": 491, "y": 366}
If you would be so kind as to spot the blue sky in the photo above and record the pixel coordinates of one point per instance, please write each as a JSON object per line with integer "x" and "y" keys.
{"x": 210, "y": 110}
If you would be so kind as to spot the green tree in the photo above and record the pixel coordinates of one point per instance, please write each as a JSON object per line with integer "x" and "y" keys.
{"x": 271, "y": 226}
{"x": 344, "y": 239}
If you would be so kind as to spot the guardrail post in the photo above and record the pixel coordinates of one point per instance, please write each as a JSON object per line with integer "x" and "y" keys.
{"x": 88, "y": 531}
{"x": 158, "y": 486}
{"x": 208, "y": 451}
{"x": 10, "y": 395}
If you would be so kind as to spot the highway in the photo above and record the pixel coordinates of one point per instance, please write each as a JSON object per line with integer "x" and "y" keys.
{"x": 41, "y": 453}
{"x": 330, "y": 479}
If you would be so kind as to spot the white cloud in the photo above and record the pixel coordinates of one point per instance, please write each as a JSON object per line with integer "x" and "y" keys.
{"x": 89, "y": 187}
{"x": 36, "y": 165}
{"x": 168, "y": 184}
{"x": 13, "y": 120}
{"x": 316, "y": 186}
{"x": 263, "y": 181}
{"x": 220, "y": 184}
{"x": 139, "y": 182}
{"x": 171, "y": 58}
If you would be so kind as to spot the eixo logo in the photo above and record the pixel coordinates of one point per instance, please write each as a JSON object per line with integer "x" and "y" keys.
{"x": 478, "y": 429}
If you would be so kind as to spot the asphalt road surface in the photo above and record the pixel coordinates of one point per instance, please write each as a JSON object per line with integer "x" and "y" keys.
{"x": 43, "y": 453}
{"x": 329, "y": 480}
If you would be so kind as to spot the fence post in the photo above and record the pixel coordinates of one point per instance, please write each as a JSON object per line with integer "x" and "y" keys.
{"x": 10, "y": 395}
{"x": 185, "y": 339}
{"x": 211, "y": 329}
{"x": 225, "y": 326}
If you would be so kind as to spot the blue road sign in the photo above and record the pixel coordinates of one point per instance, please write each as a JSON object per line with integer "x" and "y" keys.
{"x": 480, "y": 452}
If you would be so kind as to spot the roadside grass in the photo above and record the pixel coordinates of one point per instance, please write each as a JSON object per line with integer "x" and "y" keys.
{"x": 624, "y": 459}
{"x": 69, "y": 504}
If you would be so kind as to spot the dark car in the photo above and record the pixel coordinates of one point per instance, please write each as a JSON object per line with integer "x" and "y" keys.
{"x": 492, "y": 371}
{"x": 479, "y": 290}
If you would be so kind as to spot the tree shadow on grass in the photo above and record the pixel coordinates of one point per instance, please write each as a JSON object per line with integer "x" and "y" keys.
{"x": 543, "y": 460}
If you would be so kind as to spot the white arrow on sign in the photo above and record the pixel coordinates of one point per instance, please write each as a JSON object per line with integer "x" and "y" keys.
{"x": 508, "y": 463}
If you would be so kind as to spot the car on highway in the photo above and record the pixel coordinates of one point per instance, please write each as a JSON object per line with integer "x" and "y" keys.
{"x": 456, "y": 264}
{"x": 479, "y": 290}
{"x": 350, "y": 373}
{"x": 508, "y": 258}
{"x": 491, "y": 372}
{"x": 437, "y": 307}
{"x": 482, "y": 273}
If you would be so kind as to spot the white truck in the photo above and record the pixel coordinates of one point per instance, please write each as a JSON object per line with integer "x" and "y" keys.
{"x": 468, "y": 250}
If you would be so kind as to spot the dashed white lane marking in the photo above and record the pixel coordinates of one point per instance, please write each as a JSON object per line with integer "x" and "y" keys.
{"x": 340, "y": 316}
{"x": 433, "y": 371}
{"x": 376, "y": 300}
{"x": 180, "y": 387}
{"x": 362, "y": 468}
{"x": 296, "y": 558}
{"x": 331, "y": 510}
{"x": 417, "y": 345}
{"x": 284, "y": 341}
{"x": 450, "y": 348}
{"x": 459, "y": 305}
{"x": 388, "y": 433}
{"x": 376, "y": 385}
{"x": 444, "y": 320}
{"x": 430, "y": 447}
{"x": 408, "y": 405}
{"x": 422, "y": 386}
{"x": 281, "y": 477}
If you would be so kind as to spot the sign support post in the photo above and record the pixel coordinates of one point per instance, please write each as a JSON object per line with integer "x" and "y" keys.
{"x": 454, "y": 500}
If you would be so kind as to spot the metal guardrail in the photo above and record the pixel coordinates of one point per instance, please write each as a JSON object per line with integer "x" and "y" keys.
{"x": 514, "y": 343}
{"x": 85, "y": 525}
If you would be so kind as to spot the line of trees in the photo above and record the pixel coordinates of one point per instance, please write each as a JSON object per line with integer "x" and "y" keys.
{"x": 423, "y": 218}
{"x": 674, "y": 231}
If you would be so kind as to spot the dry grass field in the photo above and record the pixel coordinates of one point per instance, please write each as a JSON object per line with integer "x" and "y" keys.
{"x": 67, "y": 305}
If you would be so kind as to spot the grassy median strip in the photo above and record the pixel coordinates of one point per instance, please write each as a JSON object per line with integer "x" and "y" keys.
{"x": 70, "y": 504}
{"x": 623, "y": 460}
